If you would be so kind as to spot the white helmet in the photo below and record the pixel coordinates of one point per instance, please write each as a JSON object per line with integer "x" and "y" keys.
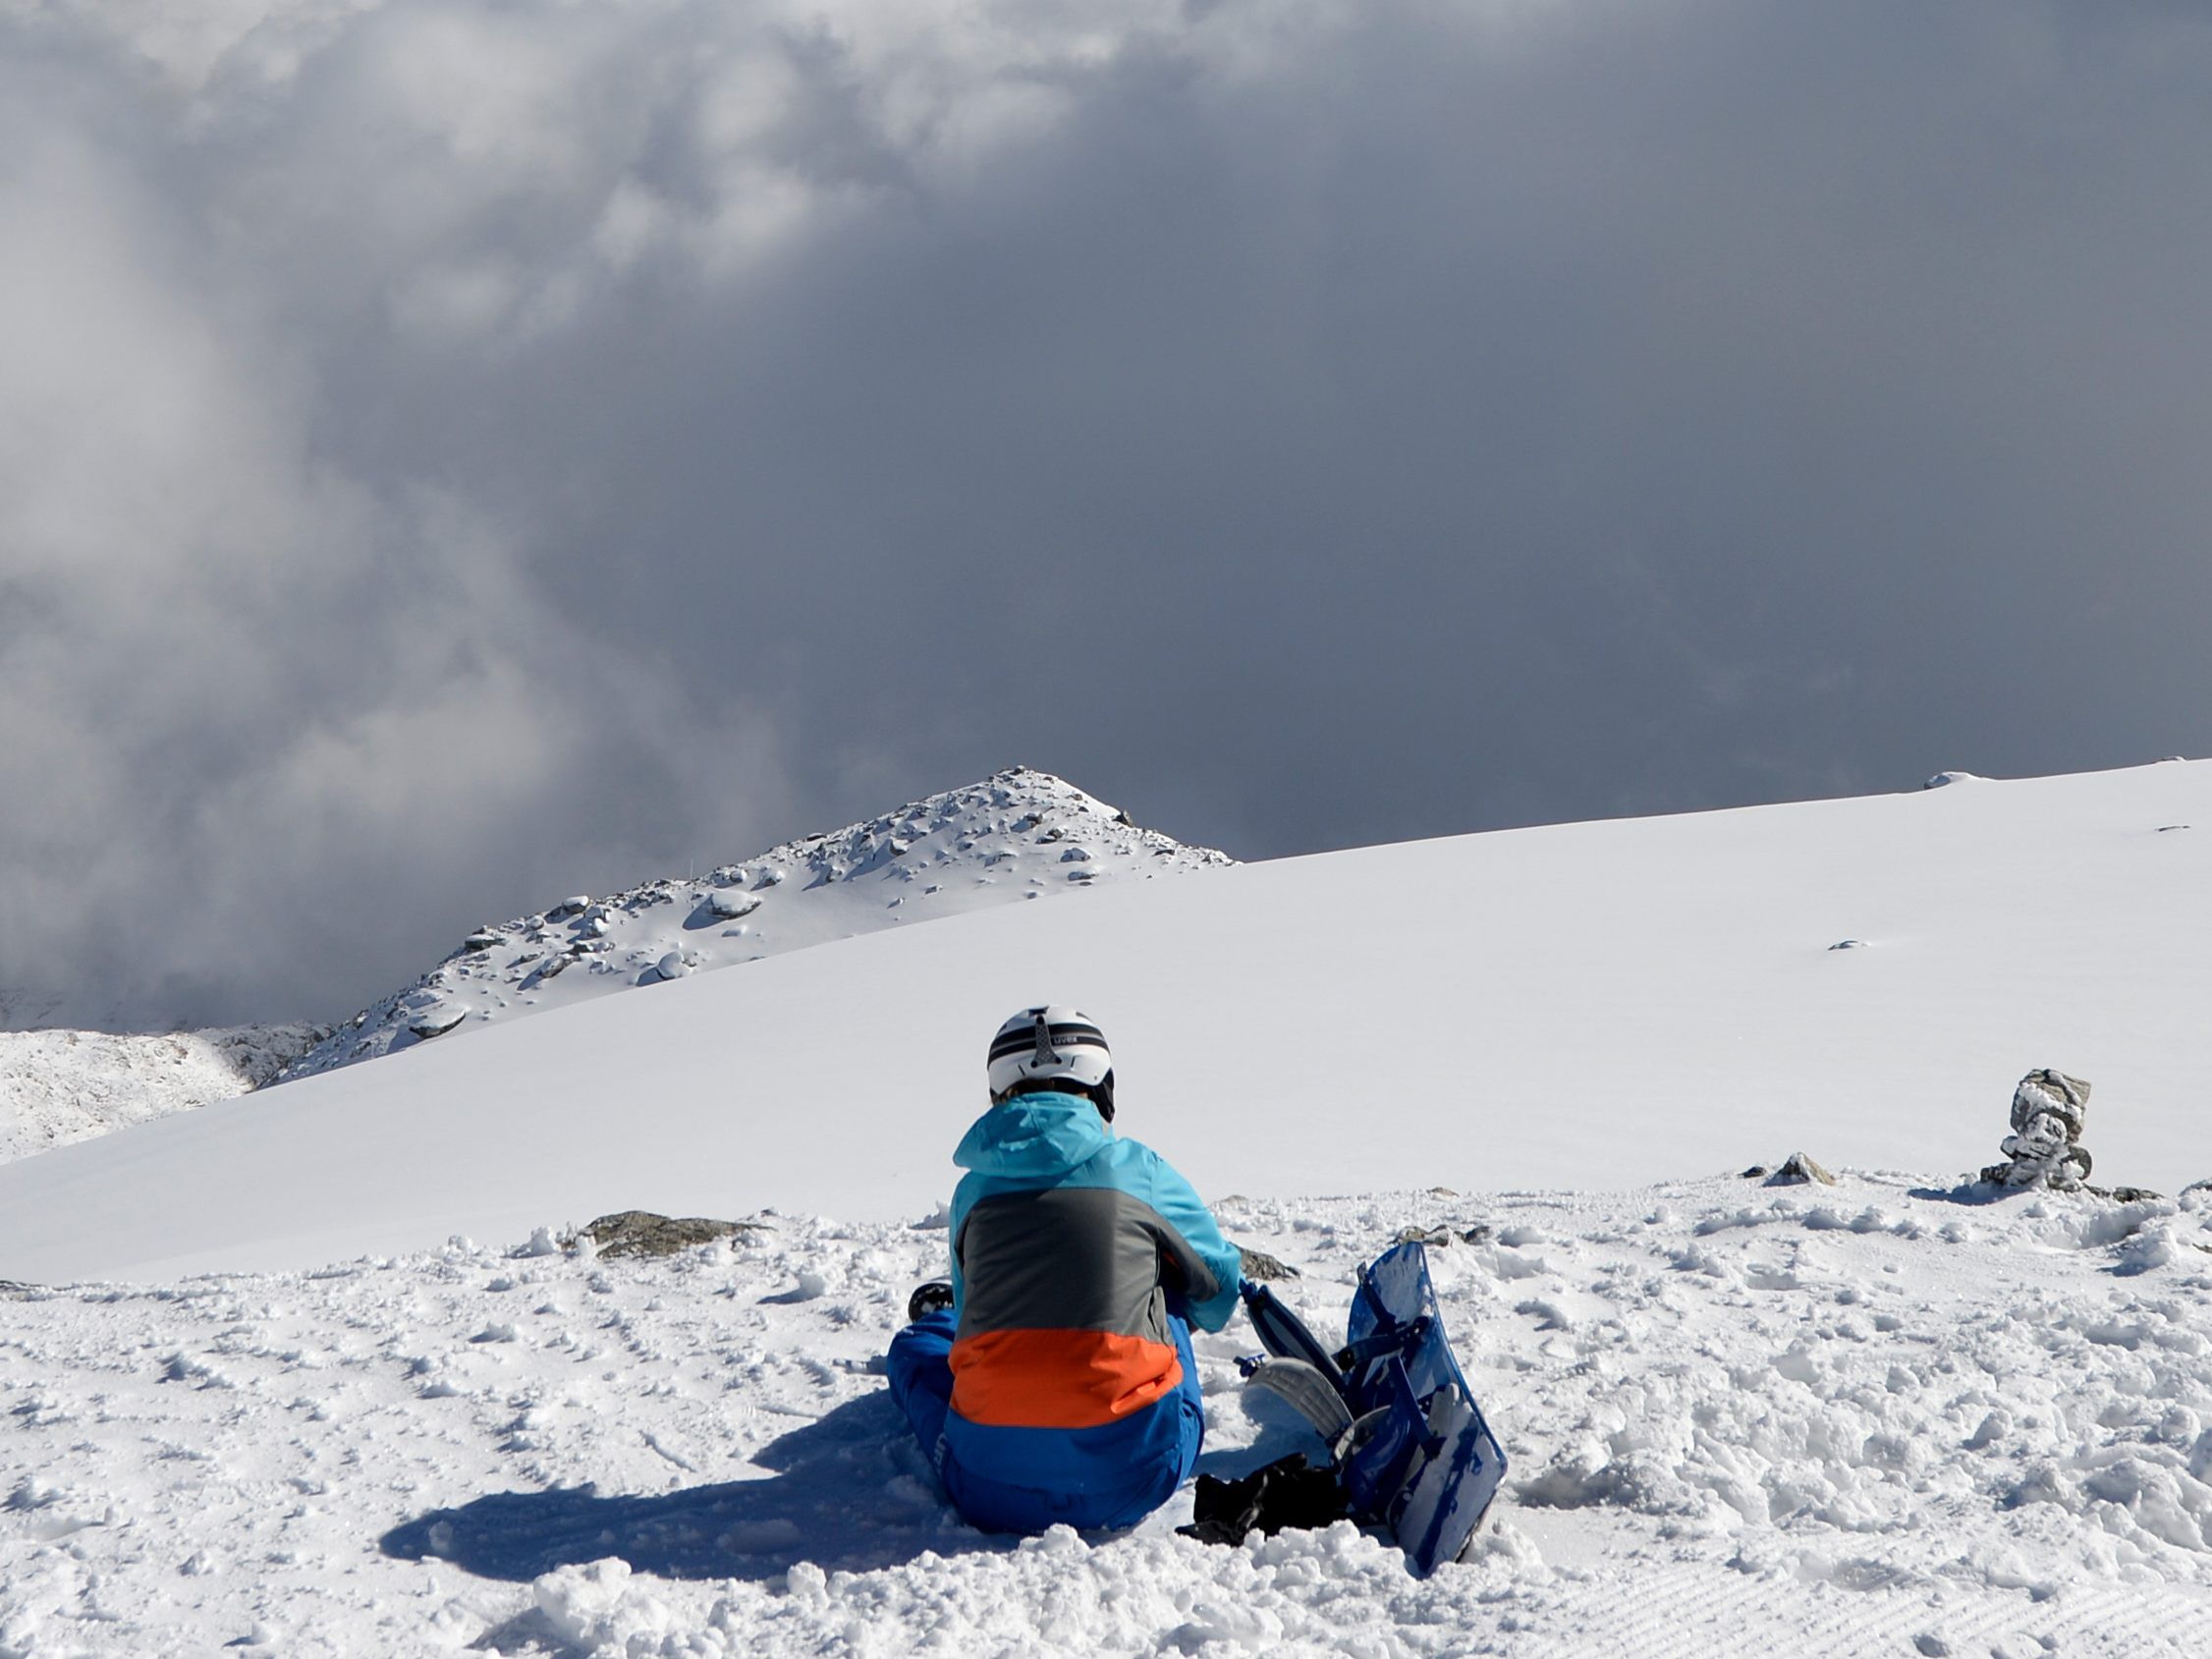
{"x": 1053, "y": 1044}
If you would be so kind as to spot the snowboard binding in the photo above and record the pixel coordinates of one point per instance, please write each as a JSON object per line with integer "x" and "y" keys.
{"x": 928, "y": 1298}
{"x": 1405, "y": 1437}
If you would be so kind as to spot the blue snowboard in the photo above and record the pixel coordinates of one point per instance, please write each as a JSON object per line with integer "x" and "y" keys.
{"x": 1409, "y": 1443}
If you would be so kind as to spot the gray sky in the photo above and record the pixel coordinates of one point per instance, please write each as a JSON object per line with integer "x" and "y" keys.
{"x": 456, "y": 454}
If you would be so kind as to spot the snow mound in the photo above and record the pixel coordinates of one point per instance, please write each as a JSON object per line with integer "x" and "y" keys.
{"x": 1003, "y": 838}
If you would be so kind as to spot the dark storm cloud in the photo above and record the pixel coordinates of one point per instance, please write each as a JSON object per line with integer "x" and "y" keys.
{"x": 455, "y": 454}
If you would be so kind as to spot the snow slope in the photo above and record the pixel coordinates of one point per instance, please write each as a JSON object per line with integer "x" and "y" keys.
{"x": 60, "y": 1086}
{"x": 1890, "y": 1415}
{"x": 1019, "y": 834}
{"x": 1585, "y": 1006}
{"x": 1818, "y": 1422}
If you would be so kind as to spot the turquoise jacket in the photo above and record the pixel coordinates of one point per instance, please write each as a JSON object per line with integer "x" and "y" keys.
{"x": 1058, "y": 1144}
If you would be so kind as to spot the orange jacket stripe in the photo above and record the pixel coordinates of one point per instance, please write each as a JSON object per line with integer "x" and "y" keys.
{"x": 1059, "y": 1379}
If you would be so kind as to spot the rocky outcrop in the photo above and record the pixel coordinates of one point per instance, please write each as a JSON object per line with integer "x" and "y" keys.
{"x": 2044, "y": 1149}
{"x": 1017, "y": 834}
{"x": 641, "y": 1233}
{"x": 60, "y": 1086}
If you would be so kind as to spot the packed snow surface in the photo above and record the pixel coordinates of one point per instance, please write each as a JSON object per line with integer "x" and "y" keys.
{"x": 1021, "y": 834}
{"x": 1584, "y": 1006}
{"x": 59, "y": 1086}
{"x": 1849, "y": 1421}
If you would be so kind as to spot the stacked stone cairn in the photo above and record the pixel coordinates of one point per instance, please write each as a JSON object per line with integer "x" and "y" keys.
{"x": 2045, "y": 1147}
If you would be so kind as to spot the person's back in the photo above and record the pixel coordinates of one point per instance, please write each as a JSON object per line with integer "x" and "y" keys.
{"x": 1059, "y": 1384}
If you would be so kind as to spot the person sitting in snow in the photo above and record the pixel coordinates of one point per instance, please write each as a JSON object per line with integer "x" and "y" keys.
{"x": 1051, "y": 1381}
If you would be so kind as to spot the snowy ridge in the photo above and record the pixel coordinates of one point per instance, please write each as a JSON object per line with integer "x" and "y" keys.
{"x": 1021, "y": 834}
{"x": 59, "y": 1086}
{"x": 1821, "y": 1422}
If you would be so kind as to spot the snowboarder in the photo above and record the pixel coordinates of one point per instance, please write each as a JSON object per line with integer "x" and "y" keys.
{"x": 1054, "y": 1382}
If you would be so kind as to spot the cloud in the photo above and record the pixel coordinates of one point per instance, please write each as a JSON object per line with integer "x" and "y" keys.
{"x": 452, "y": 453}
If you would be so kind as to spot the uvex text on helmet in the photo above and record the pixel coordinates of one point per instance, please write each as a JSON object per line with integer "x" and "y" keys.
{"x": 1045, "y": 1043}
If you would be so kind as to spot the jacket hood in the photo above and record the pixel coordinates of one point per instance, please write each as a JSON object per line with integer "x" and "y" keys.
{"x": 1036, "y": 1134}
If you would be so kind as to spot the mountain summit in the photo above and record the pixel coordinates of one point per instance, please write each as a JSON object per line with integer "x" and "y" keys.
{"x": 1019, "y": 834}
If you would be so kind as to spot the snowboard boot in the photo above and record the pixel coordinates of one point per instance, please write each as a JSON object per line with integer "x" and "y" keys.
{"x": 929, "y": 1299}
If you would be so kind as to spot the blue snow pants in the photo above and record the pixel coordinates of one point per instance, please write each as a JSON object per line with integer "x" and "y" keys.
{"x": 1089, "y": 1479}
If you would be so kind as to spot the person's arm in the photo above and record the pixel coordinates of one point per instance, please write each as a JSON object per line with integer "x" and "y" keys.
{"x": 964, "y": 1199}
{"x": 1211, "y": 1266}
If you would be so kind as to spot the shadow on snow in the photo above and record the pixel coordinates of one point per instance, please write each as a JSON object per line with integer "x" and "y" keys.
{"x": 849, "y": 1492}
{"x": 1980, "y": 1195}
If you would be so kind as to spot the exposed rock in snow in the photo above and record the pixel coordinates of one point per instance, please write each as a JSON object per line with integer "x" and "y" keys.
{"x": 1437, "y": 1238}
{"x": 961, "y": 850}
{"x": 1943, "y": 777}
{"x": 2044, "y": 1149}
{"x": 1263, "y": 1268}
{"x": 436, "y": 1020}
{"x": 62, "y": 1086}
{"x": 641, "y": 1233}
{"x": 1797, "y": 1169}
